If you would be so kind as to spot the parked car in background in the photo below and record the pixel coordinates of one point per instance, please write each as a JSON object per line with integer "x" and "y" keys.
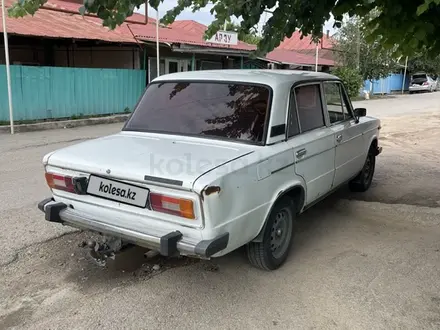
{"x": 437, "y": 81}
{"x": 422, "y": 82}
{"x": 210, "y": 161}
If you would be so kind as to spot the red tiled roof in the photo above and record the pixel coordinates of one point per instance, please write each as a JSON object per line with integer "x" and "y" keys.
{"x": 73, "y": 6}
{"x": 61, "y": 19}
{"x": 294, "y": 57}
{"x": 189, "y": 26}
{"x": 296, "y": 43}
{"x": 54, "y": 24}
{"x": 304, "y": 49}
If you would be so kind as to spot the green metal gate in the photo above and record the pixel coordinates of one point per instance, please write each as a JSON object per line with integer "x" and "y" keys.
{"x": 55, "y": 92}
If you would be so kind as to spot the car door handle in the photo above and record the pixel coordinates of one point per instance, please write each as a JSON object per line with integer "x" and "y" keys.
{"x": 339, "y": 138}
{"x": 301, "y": 153}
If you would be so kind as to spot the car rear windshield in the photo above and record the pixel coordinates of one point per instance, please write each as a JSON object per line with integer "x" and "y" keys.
{"x": 225, "y": 110}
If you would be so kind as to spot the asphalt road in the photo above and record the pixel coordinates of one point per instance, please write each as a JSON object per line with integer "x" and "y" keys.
{"x": 359, "y": 261}
{"x": 401, "y": 105}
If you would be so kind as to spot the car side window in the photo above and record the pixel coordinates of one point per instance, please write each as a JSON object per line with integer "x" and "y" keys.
{"x": 337, "y": 110}
{"x": 346, "y": 103}
{"x": 292, "y": 125}
{"x": 309, "y": 107}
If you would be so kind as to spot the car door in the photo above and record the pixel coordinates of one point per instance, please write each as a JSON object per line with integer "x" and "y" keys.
{"x": 312, "y": 142}
{"x": 347, "y": 133}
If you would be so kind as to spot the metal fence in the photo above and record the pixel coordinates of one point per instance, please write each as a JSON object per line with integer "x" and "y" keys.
{"x": 392, "y": 83}
{"x": 55, "y": 92}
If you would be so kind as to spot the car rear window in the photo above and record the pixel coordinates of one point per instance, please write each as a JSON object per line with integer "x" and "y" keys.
{"x": 225, "y": 110}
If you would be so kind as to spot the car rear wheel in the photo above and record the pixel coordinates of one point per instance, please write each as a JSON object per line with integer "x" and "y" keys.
{"x": 363, "y": 181}
{"x": 278, "y": 234}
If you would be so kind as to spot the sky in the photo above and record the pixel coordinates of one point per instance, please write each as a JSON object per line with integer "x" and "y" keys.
{"x": 204, "y": 16}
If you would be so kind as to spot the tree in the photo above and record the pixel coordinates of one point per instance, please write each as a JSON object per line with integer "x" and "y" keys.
{"x": 353, "y": 81}
{"x": 352, "y": 50}
{"x": 251, "y": 37}
{"x": 424, "y": 62}
{"x": 409, "y": 24}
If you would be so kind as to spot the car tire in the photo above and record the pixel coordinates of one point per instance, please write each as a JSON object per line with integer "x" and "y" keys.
{"x": 278, "y": 235}
{"x": 363, "y": 180}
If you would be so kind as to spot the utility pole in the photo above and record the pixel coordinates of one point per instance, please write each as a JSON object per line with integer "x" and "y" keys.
{"x": 358, "y": 45}
{"x": 157, "y": 42}
{"x": 8, "y": 73}
{"x": 404, "y": 74}
{"x": 316, "y": 57}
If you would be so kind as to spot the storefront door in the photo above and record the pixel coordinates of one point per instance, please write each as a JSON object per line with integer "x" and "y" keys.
{"x": 173, "y": 65}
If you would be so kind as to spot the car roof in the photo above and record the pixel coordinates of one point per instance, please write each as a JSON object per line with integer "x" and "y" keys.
{"x": 259, "y": 76}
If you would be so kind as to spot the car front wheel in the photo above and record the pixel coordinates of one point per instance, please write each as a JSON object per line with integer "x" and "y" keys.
{"x": 278, "y": 234}
{"x": 363, "y": 181}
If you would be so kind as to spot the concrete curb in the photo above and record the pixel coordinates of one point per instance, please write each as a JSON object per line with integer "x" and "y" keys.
{"x": 65, "y": 124}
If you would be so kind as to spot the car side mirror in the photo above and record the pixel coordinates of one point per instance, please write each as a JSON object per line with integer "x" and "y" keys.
{"x": 360, "y": 112}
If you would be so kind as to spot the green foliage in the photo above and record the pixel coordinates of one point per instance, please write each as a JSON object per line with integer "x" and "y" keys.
{"x": 424, "y": 62}
{"x": 351, "y": 78}
{"x": 24, "y": 7}
{"x": 249, "y": 37}
{"x": 409, "y": 24}
{"x": 371, "y": 59}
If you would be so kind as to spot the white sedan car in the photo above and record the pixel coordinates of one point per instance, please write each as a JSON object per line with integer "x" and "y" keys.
{"x": 422, "y": 82}
{"x": 210, "y": 161}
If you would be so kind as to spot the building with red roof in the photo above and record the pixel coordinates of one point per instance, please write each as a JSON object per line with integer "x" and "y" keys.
{"x": 81, "y": 41}
{"x": 126, "y": 45}
{"x": 293, "y": 52}
{"x": 305, "y": 45}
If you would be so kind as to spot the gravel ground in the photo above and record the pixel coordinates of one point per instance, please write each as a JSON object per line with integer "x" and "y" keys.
{"x": 359, "y": 261}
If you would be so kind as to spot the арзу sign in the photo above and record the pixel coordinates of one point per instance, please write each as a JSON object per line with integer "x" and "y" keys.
{"x": 224, "y": 38}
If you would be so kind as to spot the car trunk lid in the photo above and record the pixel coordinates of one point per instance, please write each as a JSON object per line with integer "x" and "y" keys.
{"x": 145, "y": 157}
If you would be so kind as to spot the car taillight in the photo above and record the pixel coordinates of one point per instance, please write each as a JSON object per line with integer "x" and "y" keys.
{"x": 425, "y": 83}
{"x": 171, "y": 205}
{"x": 60, "y": 182}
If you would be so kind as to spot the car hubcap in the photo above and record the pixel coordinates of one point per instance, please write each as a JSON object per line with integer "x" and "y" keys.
{"x": 281, "y": 233}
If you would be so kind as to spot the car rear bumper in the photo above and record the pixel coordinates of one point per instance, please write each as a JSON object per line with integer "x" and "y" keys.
{"x": 419, "y": 88}
{"x": 169, "y": 244}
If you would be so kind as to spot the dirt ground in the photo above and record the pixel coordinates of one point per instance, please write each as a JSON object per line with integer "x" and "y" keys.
{"x": 359, "y": 261}
{"x": 408, "y": 169}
